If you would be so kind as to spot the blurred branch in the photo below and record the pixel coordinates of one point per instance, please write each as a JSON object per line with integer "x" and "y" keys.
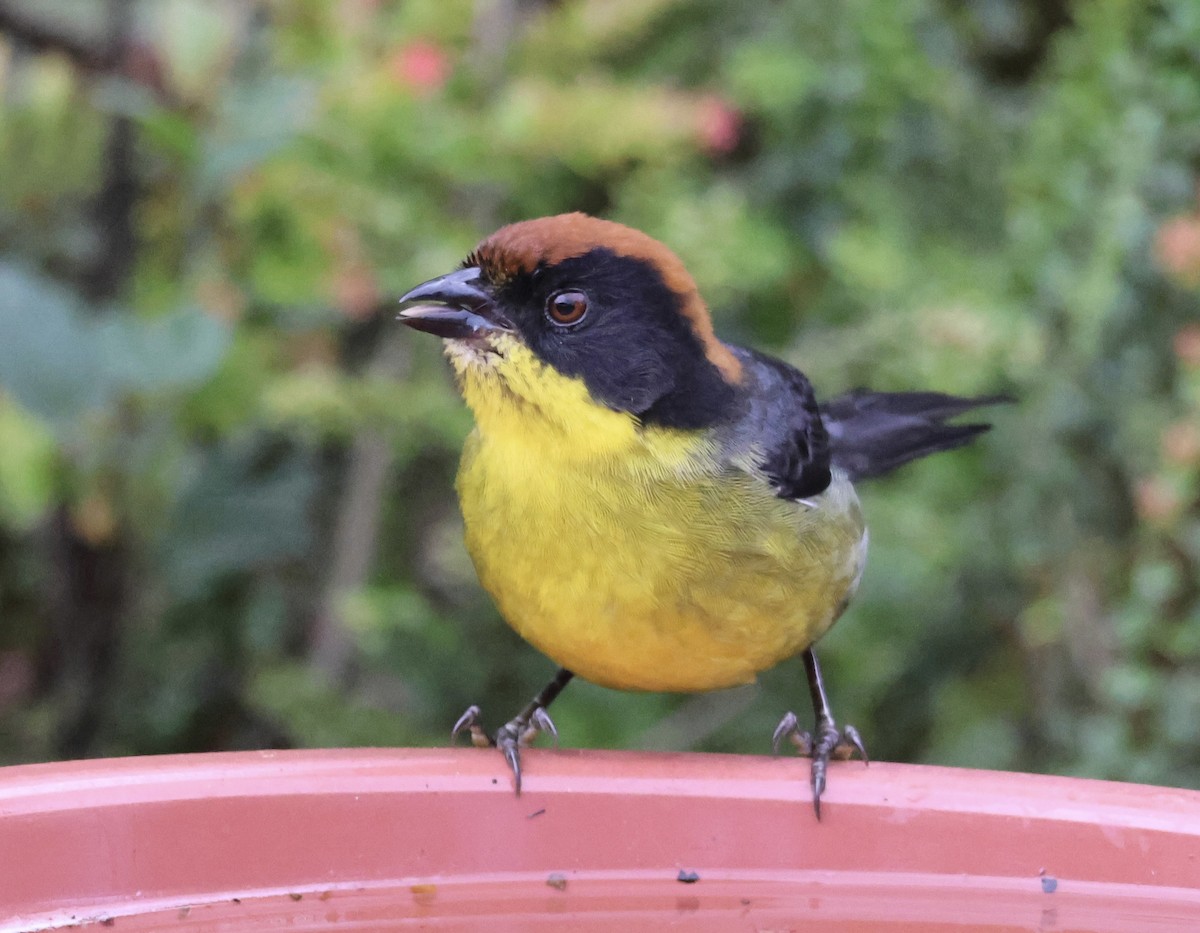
{"x": 1017, "y": 61}
{"x": 493, "y": 29}
{"x": 115, "y": 54}
{"x": 356, "y": 530}
{"x": 41, "y": 36}
{"x": 113, "y": 209}
{"x": 88, "y": 597}
{"x": 113, "y": 215}
{"x": 697, "y": 718}
{"x": 89, "y": 594}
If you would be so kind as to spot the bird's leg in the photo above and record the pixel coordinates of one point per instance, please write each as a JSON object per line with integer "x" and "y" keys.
{"x": 826, "y": 740}
{"x": 520, "y": 730}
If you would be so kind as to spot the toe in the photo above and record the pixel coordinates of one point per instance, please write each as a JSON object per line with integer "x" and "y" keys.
{"x": 472, "y": 722}
{"x": 788, "y": 726}
{"x": 540, "y": 722}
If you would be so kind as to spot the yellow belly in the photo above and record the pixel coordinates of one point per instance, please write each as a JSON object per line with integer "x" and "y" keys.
{"x": 640, "y": 577}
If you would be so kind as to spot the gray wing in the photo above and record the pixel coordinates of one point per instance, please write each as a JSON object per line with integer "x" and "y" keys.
{"x": 780, "y": 421}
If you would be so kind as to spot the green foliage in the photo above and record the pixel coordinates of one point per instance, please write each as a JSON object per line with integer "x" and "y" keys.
{"x": 226, "y": 505}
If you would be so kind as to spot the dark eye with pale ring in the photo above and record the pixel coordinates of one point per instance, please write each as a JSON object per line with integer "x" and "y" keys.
{"x": 567, "y": 307}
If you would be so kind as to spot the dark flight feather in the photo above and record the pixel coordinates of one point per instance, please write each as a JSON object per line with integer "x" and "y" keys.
{"x": 872, "y": 433}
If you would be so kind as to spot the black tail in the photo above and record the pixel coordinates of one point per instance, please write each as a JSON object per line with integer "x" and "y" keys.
{"x": 872, "y": 433}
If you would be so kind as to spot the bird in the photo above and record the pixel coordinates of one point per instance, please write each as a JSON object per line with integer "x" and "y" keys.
{"x": 652, "y": 508}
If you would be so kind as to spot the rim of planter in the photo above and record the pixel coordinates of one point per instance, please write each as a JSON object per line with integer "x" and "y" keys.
{"x": 375, "y": 839}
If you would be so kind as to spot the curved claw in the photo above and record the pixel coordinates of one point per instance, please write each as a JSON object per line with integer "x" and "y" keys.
{"x": 509, "y": 743}
{"x": 468, "y": 719}
{"x": 851, "y": 738}
{"x": 521, "y": 731}
{"x": 788, "y": 725}
{"x": 816, "y": 780}
{"x": 472, "y": 721}
{"x": 789, "y": 728}
{"x": 540, "y": 721}
{"x": 829, "y": 743}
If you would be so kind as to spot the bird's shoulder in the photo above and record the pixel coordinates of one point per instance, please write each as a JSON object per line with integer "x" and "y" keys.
{"x": 779, "y": 428}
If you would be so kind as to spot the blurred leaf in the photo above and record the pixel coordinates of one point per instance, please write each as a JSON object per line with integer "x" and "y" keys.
{"x": 48, "y": 361}
{"x": 27, "y": 456}
{"x": 235, "y": 516}
{"x": 322, "y": 715}
{"x": 197, "y": 40}
{"x": 771, "y": 76}
{"x": 60, "y": 363}
{"x": 592, "y": 123}
{"x": 254, "y": 121}
{"x": 172, "y": 351}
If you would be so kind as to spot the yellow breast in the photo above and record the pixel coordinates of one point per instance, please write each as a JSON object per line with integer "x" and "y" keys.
{"x": 653, "y": 582}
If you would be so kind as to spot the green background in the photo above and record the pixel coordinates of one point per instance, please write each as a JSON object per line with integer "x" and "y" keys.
{"x": 226, "y": 505}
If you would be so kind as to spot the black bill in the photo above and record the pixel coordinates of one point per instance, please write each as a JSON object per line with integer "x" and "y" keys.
{"x": 454, "y": 306}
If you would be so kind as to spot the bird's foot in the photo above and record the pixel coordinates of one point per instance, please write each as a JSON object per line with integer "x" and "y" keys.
{"x": 826, "y": 742}
{"x": 510, "y": 737}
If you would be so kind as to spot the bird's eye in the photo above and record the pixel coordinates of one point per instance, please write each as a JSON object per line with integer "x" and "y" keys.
{"x": 567, "y": 307}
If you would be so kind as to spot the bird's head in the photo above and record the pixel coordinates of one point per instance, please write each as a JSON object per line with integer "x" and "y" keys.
{"x": 575, "y": 321}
